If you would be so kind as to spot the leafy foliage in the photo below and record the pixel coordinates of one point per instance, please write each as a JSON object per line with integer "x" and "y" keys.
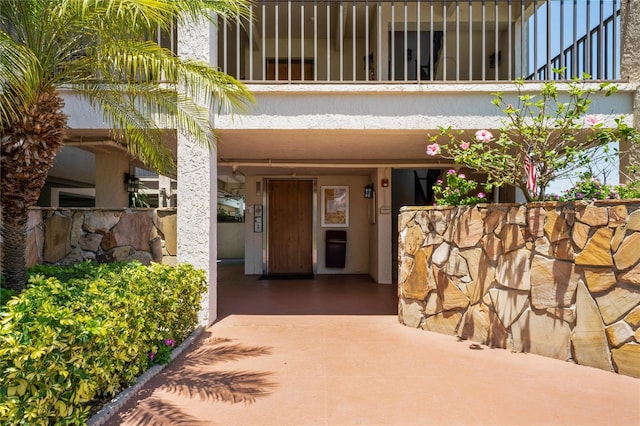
{"x": 629, "y": 191}
{"x": 458, "y": 190}
{"x": 83, "y": 332}
{"x": 556, "y": 134}
{"x": 589, "y": 188}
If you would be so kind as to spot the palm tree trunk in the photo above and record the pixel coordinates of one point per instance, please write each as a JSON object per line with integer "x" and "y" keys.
{"x": 14, "y": 228}
{"x": 28, "y": 145}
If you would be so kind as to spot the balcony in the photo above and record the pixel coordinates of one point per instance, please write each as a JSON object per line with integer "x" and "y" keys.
{"x": 421, "y": 41}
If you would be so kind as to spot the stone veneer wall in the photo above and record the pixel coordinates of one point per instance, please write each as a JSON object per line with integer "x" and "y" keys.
{"x": 71, "y": 235}
{"x": 559, "y": 280}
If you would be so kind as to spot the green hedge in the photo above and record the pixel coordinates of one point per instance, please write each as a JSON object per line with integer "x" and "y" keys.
{"x": 83, "y": 333}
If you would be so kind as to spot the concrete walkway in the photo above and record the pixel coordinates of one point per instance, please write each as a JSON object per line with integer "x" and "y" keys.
{"x": 330, "y": 351}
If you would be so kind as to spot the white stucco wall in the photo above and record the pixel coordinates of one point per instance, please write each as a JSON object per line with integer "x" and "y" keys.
{"x": 231, "y": 240}
{"x": 197, "y": 185}
{"x": 395, "y": 107}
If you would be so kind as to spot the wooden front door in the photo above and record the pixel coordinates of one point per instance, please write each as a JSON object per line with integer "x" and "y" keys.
{"x": 290, "y": 227}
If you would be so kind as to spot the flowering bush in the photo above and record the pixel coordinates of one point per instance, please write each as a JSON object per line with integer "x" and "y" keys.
{"x": 88, "y": 331}
{"x": 161, "y": 353}
{"x": 590, "y": 188}
{"x": 457, "y": 190}
{"x": 542, "y": 138}
{"x": 630, "y": 190}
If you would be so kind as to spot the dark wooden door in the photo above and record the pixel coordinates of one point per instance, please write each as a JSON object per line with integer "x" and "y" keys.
{"x": 290, "y": 227}
{"x": 297, "y": 68}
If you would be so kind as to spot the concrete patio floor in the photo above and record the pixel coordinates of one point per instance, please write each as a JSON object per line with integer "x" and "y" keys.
{"x": 330, "y": 351}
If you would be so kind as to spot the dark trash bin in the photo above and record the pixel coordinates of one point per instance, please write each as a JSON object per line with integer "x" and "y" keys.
{"x": 335, "y": 249}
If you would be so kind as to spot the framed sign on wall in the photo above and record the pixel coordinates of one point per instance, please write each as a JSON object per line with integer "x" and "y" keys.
{"x": 335, "y": 206}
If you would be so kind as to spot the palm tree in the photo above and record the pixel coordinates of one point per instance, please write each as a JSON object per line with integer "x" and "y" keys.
{"x": 100, "y": 49}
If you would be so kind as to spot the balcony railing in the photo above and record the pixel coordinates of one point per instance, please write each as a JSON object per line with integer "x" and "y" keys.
{"x": 404, "y": 41}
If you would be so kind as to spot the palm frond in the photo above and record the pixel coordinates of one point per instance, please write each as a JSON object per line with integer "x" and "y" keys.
{"x": 134, "y": 128}
{"x": 19, "y": 79}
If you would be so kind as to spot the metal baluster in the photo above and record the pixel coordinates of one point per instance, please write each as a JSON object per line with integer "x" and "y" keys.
{"x": 341, "y": 40}
{"x": 250, "y": 23}
{"x": 353, "y": 35}
{"x": 550, "y": 75}
{"x": 600, "y": 43}
{"x": 535, "y": 38}
{"x": 392, "y": 69}
{"x": 444, "y": 40}
{"x": 484, "y": 41}
{"x": 614, "y": 53}
{"x": 496, "y": 51}
{"x": 277, "y": 57}
{"x": 431, "y": 59}
{"x": 457, "y": 40}
{"x": 406, "y": 44}
{"x": 562, "y": 58}
{"x": 302, "y": 40}
{"x": 418, "y": 39}
{"x": 328, "y": 41}
{"x": 379, "y": 40}
{"x": 587, "y": 53}
{"x": 264, "y": 43}
{"x": 315, "y": 40}
{"x": 509, "y": 35}
{"x": 366, "y": 40}
{"x": 289, "y": 41}
{"x": 470, "y": 39}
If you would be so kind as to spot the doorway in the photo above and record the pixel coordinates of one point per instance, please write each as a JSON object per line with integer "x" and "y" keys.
{"x": 290, "y": 227}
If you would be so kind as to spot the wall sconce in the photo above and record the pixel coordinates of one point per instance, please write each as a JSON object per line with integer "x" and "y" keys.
{"x": 132, "y": 183}
{"x": 368, "y": 191}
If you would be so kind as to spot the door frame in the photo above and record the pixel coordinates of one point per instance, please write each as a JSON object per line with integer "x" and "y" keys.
{"x": 265, "y": 223}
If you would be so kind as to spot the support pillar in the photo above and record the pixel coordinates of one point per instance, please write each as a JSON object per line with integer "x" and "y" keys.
{"x": 381, "y": 238}
{"x": 111, "y": 190}
{"x": 197, "y": 182}
{"x": 630, "y": 70}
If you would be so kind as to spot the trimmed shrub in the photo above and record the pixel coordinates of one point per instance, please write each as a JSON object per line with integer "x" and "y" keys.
{"x": 84, "y": 332}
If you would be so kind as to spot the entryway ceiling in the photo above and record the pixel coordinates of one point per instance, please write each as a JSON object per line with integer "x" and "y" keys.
{"x": 319, "y": 152}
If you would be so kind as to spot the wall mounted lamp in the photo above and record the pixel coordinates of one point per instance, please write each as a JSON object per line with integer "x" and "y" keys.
{"x": 132, "y": 183}
{"x": 368, "y": 191}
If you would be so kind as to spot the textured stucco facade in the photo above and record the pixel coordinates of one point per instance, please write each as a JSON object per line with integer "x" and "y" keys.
{"x": 197, "y": 184}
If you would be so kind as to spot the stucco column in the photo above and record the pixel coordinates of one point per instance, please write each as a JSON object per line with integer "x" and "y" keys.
{"x": 384, "y": 217}
{"x": 111, "y": 190}
{"x": 197, "y": 182}
{"x": 630, "y": 70}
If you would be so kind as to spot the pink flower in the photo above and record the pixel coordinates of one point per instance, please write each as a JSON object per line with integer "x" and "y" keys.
{"x": 483, "y": 136}
{"x": 433, "y": 149}
{"x": 510, "y": 106}
{"x": 152, "y": 355}
{"x": 451, "y": 172}
{"x": 169, "y": 342}
{"x": 462, "y": 176}
{"x": 592, "y": 119}
{"x": 482, "y": 195}
{"x": 465, "y": 145}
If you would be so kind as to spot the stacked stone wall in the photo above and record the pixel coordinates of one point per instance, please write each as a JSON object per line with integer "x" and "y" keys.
{"x": 555, "y": 279}
{"x": 66, "y": 236}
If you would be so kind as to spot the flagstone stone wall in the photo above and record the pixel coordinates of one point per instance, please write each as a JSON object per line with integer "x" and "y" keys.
{"x": 556, "y": 279}
{"x": 66, "y": 236}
